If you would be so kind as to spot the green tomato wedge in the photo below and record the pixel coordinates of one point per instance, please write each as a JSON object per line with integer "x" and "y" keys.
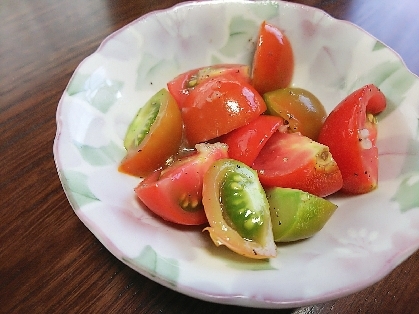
{"x": 237, "y": 209}
{"x": 296, "y": 214}
{"x": 242, "y": 202}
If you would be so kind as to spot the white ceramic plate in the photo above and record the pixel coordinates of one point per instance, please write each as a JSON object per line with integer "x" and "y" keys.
{"x": 367, "y": 237}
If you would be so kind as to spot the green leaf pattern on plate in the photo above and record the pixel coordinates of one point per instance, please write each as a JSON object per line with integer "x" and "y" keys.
{"x": 393, "y": 78}
{"x": 156, "y": 265}
{"x": 101, "y": 156}
{"x": 242, "y": 31}
{"x": 253, "y": 265}
{"x": 76, "y": 182}
{"x": 267, "y": 11}
{"x": 152, "y": 71}
{"x": 378, "y": 46}
{"x": 412, "y": 159}
{"x": 96, "y": 89}
{"x": 407, "y": 193}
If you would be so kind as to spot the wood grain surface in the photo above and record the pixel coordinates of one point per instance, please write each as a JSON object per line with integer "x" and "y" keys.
{"x": 49, "y": 261}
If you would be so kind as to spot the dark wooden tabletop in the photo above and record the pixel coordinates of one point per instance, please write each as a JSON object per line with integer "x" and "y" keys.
{"x": 49, "y": 261}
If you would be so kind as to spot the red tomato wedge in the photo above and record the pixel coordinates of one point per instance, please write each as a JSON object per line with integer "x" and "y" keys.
{"x": 175, "y": 193}
{"x": 182, "y": 84}
{"x": 245, "y": 143}
{"x": 273, "y": 61}
{"x": 350, "y": 131}
{"x": 291, "y": 160}
{"x": 218, "y": 106}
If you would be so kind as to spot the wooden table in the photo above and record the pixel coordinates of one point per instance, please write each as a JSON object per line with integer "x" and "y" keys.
{"x": 49, "y": 261}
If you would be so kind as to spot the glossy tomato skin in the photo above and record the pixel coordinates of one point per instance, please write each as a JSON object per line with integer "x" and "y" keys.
{"x": 237, "y": 210}
{"x": 218, "y": 106}
{"x": 273, "y": 61}
{"x": 291, "y": 160}
{"x": 301, "y": 110}
{"x": 160, "y": 143}
{"x": 175, "y": 193}
{"x": 245, "y": 143}
{"x": 350, "y": 131}
{"x": 181, "y": 85}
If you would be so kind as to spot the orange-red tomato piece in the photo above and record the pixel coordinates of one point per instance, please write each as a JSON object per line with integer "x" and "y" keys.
{"x": 160, "y": 143}
{"x": 218, "y": 106}
{"x": 181, "y": 85}
{"x": 273, "y": 61}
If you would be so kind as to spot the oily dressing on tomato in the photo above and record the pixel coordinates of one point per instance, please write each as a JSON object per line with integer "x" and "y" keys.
{"x": 175, "y": 193}
{"x": 245, "y": 143}
{"x": 291, "y": 160}
{"x": 273, "y": 61}
{"x": 153, "y": 136}
{"x": 237, "y": 210}
{"x": 218, "y": 106}
{"x": 350, "y": 132}
{"x": 182, "y": 84}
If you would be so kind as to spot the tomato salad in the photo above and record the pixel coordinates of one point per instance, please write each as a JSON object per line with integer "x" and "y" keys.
{"x": 238, "y": 150}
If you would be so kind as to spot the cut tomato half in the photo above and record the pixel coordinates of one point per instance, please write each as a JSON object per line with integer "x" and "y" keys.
{"x": 153, "y": 136}
{"x": 291, "y": 160}
{"x": 273, "y": 62}
{"x": 301, "y": 110}
{"x": 175, "y": 193}
{"x": 218, "y": 106}
{"x": 183, "y": 84}
{"x": 350, "y": 131}
{"x": 238, "y": 210}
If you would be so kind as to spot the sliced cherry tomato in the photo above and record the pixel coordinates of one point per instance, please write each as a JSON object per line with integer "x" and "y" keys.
{"x": 153, "y": 136}
{"x": 218, "y": 106}
{"x": 181, "y": 85}
{"x": 237, "y": 209}
{"x": 175, "y": 194}
{"x": 300, "y": 109}
{"x": 292, "y": 160}
{"x": 273, "y": 62}
{"x": 296, "y": 214}
{"x": 245, "y": 143}
{"x": 350, "y": 131}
